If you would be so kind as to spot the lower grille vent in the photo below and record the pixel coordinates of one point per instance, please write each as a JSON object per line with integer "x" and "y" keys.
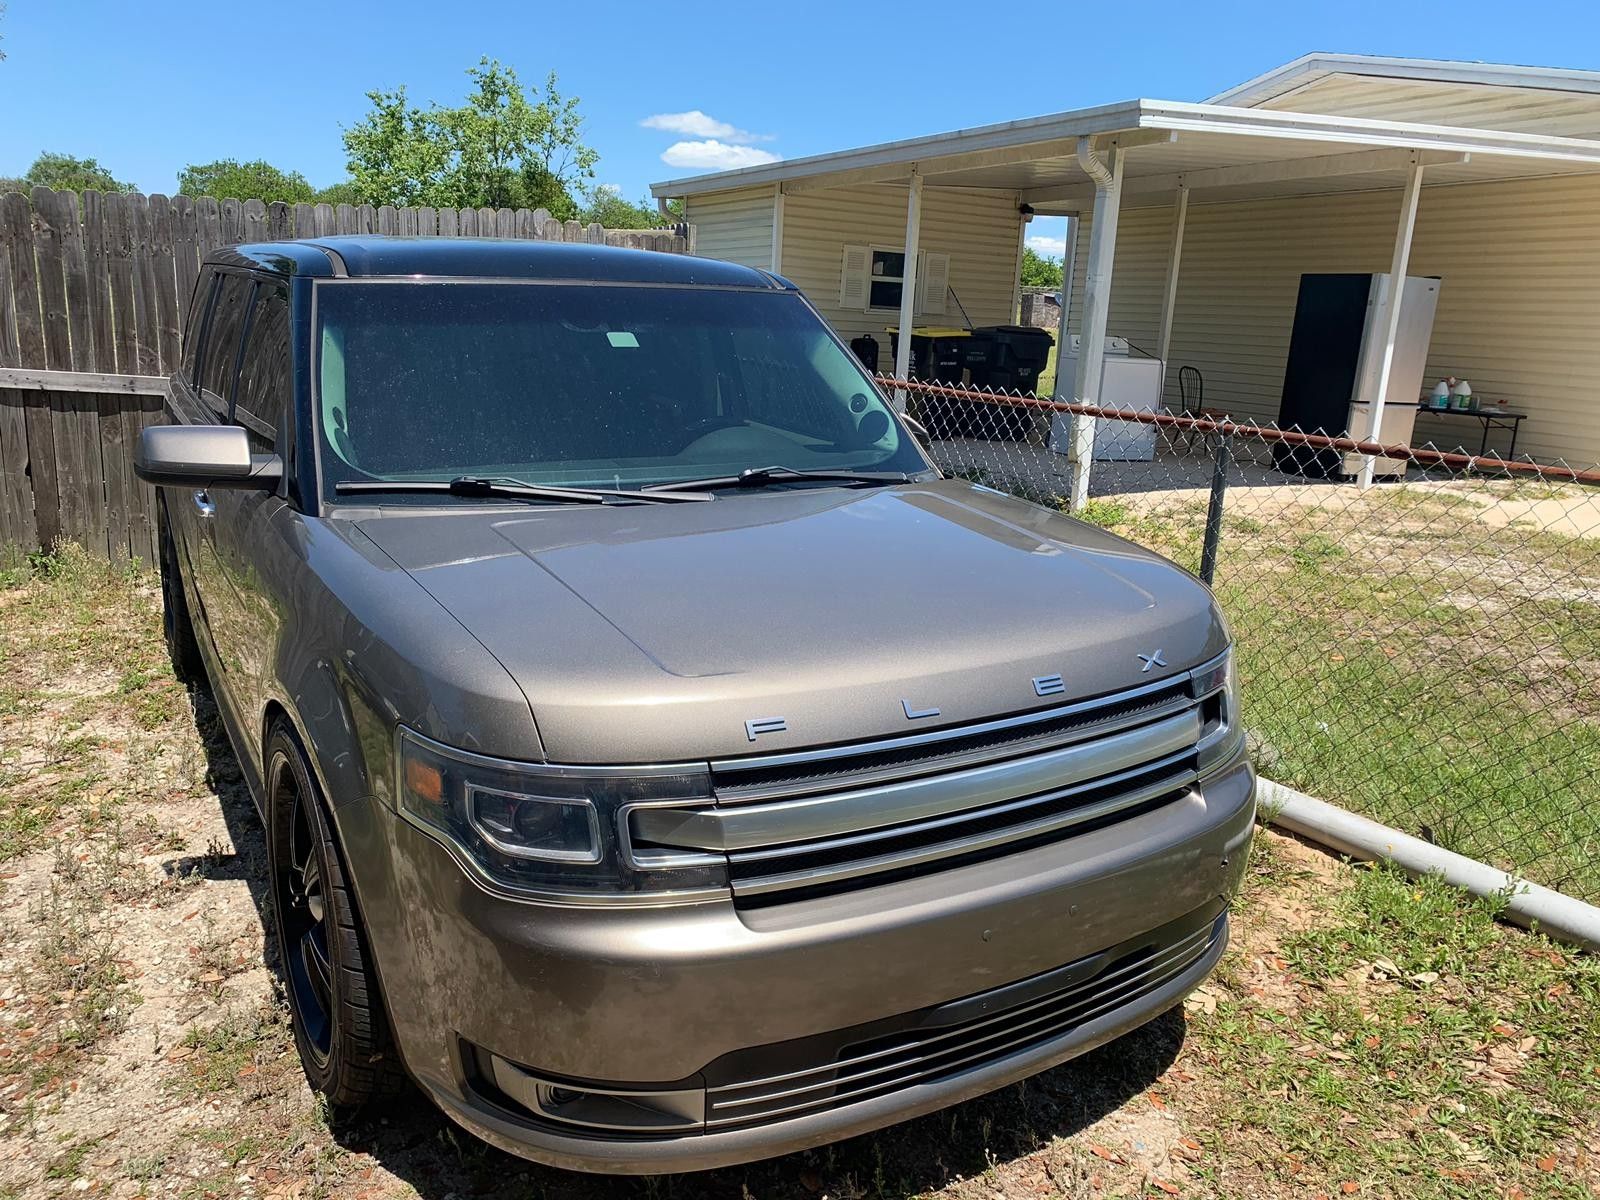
{"x": 930, "y": 1052}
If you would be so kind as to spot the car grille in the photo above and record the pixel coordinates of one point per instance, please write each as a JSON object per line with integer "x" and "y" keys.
{"x": 790, "y": 826}
{"x": 850, "y": 1066}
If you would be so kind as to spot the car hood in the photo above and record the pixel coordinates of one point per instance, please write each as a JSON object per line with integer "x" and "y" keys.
{"x": 654, "y": 633}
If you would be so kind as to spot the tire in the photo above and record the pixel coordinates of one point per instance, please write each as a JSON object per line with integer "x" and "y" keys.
{"x": 176, "y": 624}
{"x": 340, "y": 1028}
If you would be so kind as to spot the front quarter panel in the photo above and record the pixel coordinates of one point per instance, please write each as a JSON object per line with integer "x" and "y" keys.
{"x": 361, "y": 648}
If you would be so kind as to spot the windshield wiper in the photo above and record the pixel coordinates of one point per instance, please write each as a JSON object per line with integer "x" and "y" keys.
{"x": 754, "y": 477}
{"x": 511, "y": 489}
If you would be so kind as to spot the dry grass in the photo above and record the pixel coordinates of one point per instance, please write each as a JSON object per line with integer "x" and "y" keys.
{"x": 1364, "y": 1032}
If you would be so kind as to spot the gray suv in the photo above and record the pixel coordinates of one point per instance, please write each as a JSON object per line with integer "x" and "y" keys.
{"x": 661, "y": 763}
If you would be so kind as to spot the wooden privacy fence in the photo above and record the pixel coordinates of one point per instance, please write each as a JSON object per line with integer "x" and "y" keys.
{"x": 95, "y": 290}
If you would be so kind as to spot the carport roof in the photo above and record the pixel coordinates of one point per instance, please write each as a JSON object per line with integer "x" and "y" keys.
{"x": 1231, "y": 152}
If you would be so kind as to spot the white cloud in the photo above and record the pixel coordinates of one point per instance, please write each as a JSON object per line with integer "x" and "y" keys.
{"x": 1050, "y": 247}
{"x": 710, "y": 154}
{"x": 696, "y": 124}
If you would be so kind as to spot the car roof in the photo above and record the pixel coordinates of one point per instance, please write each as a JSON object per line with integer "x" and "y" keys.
{"x": 479, "y": 258}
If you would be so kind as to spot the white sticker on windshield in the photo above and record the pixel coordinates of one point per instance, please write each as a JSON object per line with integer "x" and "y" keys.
{"x": 623, "y": 341}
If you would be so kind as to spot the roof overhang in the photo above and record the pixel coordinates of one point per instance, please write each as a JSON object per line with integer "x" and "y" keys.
{"x": 1231, "y": 152}
{"x": 1034, "y": 132}
{"x": 1309, "y": 68}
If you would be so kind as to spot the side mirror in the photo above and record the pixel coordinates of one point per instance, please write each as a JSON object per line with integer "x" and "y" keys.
{"x": 204, "y": 456}
{"x": 917, "y": 428}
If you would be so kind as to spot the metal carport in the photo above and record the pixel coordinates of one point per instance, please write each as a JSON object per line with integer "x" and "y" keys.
{"x": 1153, "y": 152}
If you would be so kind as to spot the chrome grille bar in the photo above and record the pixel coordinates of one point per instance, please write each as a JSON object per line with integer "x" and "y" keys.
{"x": 1173, "y": 774}
{"x": 746, "y": 827}
{"x": 818, "y": 876}
{"x": 831, "y": 818}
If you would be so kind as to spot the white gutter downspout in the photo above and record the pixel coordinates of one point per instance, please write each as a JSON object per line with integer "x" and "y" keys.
{"x": 1091, "y": 164}
{"x": 1528, "y": 904}
{"x": 1107, "y": 175}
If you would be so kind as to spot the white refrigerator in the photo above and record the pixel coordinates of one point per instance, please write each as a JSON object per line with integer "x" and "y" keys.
{"x": 1336, "y": 349}
{"x": 1132, "y": 380}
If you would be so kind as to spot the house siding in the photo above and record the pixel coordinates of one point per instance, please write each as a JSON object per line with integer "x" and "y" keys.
{"x": 733, "y": 226}
{"x": 1518, "y": 315}
{"x": 980, "y": 231}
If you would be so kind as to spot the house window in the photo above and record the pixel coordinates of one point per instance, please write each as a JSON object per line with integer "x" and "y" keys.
{"x": 887, "y": 283}
{"x": 873, "y": 279}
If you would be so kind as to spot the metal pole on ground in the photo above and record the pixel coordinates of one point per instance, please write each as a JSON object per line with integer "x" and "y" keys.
{"x": 1527, "y": 904}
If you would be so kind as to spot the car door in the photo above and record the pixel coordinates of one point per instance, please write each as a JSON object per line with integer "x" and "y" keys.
{"x": 243, "y": 523}
{"x": 183, "y": 517}
{"x": 217, "y": 373}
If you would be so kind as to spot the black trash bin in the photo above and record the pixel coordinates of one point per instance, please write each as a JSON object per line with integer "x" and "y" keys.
{"x": 936, "y": 358}
{"x": 865, "y": 348}
{"x": 1007, "y": 358}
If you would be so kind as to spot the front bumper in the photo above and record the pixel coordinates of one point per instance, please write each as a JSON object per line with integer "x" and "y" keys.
{"x": 665, "y": 998}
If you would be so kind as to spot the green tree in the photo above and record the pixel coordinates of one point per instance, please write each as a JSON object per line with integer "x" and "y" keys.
{"x": 229, "y": 179}
{"x": 606, "y": 205}
{"x": 343, "y": 192}
{"x": 502, "y": 148}
{"x": 64, "y": 172}
{"x": 1039, "y": 271}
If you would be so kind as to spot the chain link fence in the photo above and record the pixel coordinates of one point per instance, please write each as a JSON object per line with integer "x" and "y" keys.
{"x": 1425, "y": 651}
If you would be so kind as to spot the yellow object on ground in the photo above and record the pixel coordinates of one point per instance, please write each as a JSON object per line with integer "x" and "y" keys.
{"x": 930, "y": 331}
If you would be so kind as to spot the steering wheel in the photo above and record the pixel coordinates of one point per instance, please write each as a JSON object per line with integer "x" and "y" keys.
{"x": 693, "y": 433}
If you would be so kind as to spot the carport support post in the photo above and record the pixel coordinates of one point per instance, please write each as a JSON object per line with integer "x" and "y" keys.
{"x": 1069, "y": 271}
{"x": 1169, "y": 299}
{"x": 1398, "y": 266}
{"x": 908, "y": 285}
{"x": 1106, "y": 171}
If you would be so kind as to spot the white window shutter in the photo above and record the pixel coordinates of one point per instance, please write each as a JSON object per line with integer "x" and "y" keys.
{"x": 933, "y": 282}
{"x": 853, "y": 277}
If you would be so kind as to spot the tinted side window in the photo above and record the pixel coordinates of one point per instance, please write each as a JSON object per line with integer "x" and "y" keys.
{"x": 220, "y": 355}
{"x": 264, "y": 374}
{"x": 196, "y": 324}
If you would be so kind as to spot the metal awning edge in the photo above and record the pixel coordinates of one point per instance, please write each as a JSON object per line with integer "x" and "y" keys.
{"x": 1179, "y": 117}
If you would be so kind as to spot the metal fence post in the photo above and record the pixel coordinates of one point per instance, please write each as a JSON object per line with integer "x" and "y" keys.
{"x": 1219, "y": 491}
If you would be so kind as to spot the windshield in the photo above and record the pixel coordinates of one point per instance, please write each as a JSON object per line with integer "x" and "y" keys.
{"x": 588, "y": 386}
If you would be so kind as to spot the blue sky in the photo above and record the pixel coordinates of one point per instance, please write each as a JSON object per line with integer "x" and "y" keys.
{"x": 148, "y": 87}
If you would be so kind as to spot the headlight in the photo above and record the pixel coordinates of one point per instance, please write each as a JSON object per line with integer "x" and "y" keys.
{"x": 548, "y": 831}
{"x": 1216, "y": 688}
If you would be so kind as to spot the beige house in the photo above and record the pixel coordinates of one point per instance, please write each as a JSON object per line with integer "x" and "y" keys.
{"x": 1192, "y": 224}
